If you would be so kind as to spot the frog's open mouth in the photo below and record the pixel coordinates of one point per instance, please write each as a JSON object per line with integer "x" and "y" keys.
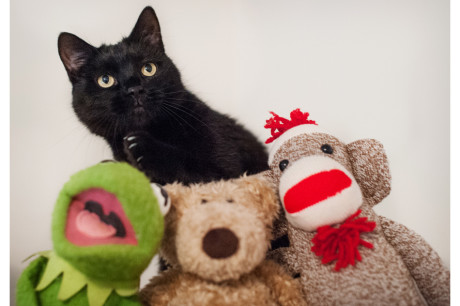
{"x": 96, "y": 217}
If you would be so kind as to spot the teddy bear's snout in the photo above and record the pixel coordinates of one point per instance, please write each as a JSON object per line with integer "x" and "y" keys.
{"x": 220, "y": 243}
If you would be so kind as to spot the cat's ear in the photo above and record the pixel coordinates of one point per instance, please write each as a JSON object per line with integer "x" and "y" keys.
{"x": 74, "y": 53}
{"x": 147, "y": 29}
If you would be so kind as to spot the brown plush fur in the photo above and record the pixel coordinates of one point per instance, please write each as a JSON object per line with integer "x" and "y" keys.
{"x": 401, "y": 269}
{"x": 247, "y": 207}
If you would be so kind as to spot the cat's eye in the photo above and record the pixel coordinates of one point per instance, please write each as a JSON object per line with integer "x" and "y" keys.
{"x": 106, "y": 81}
{"x": 149, "y": 69}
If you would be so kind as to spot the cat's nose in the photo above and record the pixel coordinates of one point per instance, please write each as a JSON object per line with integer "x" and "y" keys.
{"x": 135, "y": 90}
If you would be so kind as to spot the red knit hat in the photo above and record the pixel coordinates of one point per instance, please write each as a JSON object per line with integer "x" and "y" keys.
{"x": 283, "y": 129}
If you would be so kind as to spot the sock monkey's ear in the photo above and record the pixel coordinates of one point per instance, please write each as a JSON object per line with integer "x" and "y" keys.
{"x": 147, "y": 29}
{"x": 370, "y": 169}
{"x": 74, "y": 53}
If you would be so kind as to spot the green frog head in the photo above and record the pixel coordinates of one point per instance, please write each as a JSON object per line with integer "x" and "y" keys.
{"x": 108, "y": 222}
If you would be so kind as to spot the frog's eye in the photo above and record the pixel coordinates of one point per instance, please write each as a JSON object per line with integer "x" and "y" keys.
{"x": 149, "y": 69}
{"x": 164, "y": 201}
{"x": 106, "y": 81}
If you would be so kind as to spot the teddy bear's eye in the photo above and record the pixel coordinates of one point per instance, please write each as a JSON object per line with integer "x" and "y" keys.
{"x": 326, "y": 148}
{"x": 229, "y": 200}
{"x": 204, "y": 201}
{"x": 283, "y": 164}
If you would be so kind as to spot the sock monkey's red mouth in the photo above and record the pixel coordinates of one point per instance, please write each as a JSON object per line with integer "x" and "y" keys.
{"x": 314, "y": 189}
{"x": 96, "y": 217}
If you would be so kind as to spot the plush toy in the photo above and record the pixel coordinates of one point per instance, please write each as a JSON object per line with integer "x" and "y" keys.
{"x": 342, "y": 251}
{"x": 106, "y": 227}
{"x": 216, "y": 238}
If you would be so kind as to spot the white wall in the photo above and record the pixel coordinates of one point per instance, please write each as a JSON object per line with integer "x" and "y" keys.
{"x": 377, "y": 69}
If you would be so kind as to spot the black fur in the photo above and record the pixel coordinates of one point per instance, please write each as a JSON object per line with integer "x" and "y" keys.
{"x": 154, "y": 122}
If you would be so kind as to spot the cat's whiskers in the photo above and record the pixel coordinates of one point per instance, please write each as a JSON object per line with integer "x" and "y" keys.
{"x": 186, "y": 111}
{"x": 170, "y": 114}
{"x": 180, "y": 118}
{"x": 164, "y": 91}
{"x": 171, "y": 110}
{"x": 110, "y": 128}
{"x": 171, "y": 101}
{"x": 115, "y": 130}
{"x": 104, "y": 124}
{"x": 175, "y": 92}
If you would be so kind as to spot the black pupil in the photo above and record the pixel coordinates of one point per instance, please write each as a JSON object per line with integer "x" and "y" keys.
{"x": 327, "y": 149}
{"x": 148, "y": 68}
{"x": 283, "y": 164}
{"x": 105, "y": 79}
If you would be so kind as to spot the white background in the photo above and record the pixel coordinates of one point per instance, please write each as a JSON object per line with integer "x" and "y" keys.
{"x": 363, "y": 69}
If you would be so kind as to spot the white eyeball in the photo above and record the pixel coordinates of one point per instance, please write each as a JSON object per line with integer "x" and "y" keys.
{"x": 164, "y": 201}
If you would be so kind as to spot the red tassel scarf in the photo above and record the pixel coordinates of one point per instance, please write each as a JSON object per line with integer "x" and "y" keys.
{"x": 342, "y": 243}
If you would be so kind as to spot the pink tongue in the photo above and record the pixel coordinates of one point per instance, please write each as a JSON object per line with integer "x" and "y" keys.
{"x": 89, "y": 224}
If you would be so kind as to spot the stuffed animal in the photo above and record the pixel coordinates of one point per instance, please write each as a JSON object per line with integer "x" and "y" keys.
{"x": 343, "y": 252}
{"x": 216, "y": 238}
{"x": 106, "y": 227}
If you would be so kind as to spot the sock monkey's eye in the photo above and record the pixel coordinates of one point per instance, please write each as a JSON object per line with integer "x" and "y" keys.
{"x": 327, "y": 149}
{"x": 149, "y": 69}
{"x": 106, "y": 81}
{"x": 283, "y": 164}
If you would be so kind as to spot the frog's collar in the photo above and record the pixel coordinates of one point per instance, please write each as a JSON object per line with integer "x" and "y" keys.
{"x": 73, "y": 281}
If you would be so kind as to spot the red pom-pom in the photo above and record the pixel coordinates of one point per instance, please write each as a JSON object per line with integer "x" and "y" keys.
{"x": 278, "y": 125}
{"x": 342, "y": 243}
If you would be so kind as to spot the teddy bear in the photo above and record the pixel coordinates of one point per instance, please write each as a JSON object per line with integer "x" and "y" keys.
{"x": 328, "y": 234}
{"x": 107, "y": 225}
{"x": 216, "y": 238}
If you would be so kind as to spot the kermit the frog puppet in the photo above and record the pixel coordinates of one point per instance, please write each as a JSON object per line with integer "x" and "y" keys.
{"x": 106, "y": 227}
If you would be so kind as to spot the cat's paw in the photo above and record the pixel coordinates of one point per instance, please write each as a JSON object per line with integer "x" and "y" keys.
{"x": 133, "y": 147}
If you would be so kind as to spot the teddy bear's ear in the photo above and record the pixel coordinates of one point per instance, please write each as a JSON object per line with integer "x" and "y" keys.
{"x": 174, "y": 191}
{"x": 264, "y": 190}
{"x": 269, "y": 177}
{"x": 370, "y": 168}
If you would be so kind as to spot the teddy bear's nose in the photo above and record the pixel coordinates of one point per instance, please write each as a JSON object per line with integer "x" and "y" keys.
{"x": 220, "y": 243}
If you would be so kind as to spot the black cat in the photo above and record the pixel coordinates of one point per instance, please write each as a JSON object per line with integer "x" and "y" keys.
{"x": 132, "y": 95}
